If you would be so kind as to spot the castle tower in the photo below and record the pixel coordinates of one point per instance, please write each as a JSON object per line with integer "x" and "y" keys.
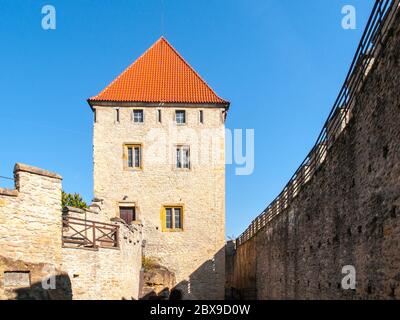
{"x": 158, "y": 142}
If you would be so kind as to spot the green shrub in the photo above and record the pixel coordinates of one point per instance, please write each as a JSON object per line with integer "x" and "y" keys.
{"x": 72, "y": 200}
{"x": 149, "y": 263}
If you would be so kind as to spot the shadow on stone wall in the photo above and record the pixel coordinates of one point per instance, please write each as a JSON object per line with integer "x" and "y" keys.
{"x": 63, "y": 290}
{"x": 30, "y": 287}
{"x": 156, "y": 282}
{"x": 200, "y": 285}
{"x": 347, "y": 214}
{"x": 197, "y": 287}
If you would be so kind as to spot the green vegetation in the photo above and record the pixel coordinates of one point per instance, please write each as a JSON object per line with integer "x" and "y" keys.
{"x": 72, "y": 200}
{"x": 149, "y": 263}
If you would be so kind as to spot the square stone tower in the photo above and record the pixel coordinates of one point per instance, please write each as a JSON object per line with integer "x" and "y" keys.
{"x": 158, "y": 143}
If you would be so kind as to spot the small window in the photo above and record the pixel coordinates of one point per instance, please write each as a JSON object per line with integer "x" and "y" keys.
{"x": 117, "y": 115}
{"x": 138, "y": 116}
{"x": 168, "y": 218}
{"x": 172, "y": 218}
{"x": 201, "y": 117}
{"x": 180, "y": 116}
{"x": 95, "y": 115}
{"x": 133, "y": 156}
{"x": 127, "y": 214}
{"x": 17, "y": 279}
{"x": 177, "y": 218}
{"x": 159, "y": 116}
{"x": 183, "y": 157}
{"x": 130, "y": 157}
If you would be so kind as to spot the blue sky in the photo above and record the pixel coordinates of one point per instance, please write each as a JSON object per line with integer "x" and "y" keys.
{"x": 281, "y": 63}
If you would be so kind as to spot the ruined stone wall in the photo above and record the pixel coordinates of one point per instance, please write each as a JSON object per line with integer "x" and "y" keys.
{"x": 30, "y": 219}
{"x": 347, "y": 214}
{"x": 106, "y": 273}
{"x": 195, "y": 255}
{"x": 30, "y": 225}
{"x": 31, "y": 248}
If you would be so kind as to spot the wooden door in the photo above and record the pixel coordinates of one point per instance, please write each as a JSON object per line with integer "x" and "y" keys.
{"x": 127, "y": 214}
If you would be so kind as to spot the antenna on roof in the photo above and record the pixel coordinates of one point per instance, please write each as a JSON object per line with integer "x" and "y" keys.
{"x": 162, "y": 17}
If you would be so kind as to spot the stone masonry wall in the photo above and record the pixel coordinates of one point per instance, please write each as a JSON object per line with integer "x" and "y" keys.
{"x": 31, "y": 248}
{"x": 196, "y": 254}
{"x": 347, "y": 214}
{"x": 30, "y": 216}
{"x": 106, "y": 273}
{"x": 30, "y": 225}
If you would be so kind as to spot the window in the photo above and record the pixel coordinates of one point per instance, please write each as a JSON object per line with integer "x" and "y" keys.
{"x": 159, "y": 115}
{"x": 177, "y": 218}
{"x": 168, "y": 218}
{"x": 182, "y": 157}
{"x": 201, "y": 117}
{"x": 133, "y": 156}
{"x": 172, "y": 218}
{"x": 17, "y": 279}
{"x": 127, "y": 214}
{"x": 180, "y": 116}
{"x": 117, "y": 115}
{"x": 138, "y": 116}
{"x": 95, "y": 115}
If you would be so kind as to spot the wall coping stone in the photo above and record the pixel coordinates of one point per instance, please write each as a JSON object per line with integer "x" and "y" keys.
{"x": 78, "y": 210}
{"x": 118, "y": 219}
{"x": 9, "y": 192}
{"x": 35, "y": 170}
{"x": 133, "y": 223}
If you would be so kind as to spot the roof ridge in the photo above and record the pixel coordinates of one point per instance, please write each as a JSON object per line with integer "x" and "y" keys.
{"x": 128, "y": 68}
{"x": 191, "y": 68}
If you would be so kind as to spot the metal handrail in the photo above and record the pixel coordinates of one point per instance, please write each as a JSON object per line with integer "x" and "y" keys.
{"x": 368, "y": 49}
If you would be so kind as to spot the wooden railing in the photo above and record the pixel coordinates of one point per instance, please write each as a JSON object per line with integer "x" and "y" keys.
{"x": 87, "y": 234}
{"x": 370, "y": 46}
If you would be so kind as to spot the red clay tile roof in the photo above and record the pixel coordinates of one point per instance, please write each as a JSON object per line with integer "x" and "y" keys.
{"x": 159, "y": 75}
